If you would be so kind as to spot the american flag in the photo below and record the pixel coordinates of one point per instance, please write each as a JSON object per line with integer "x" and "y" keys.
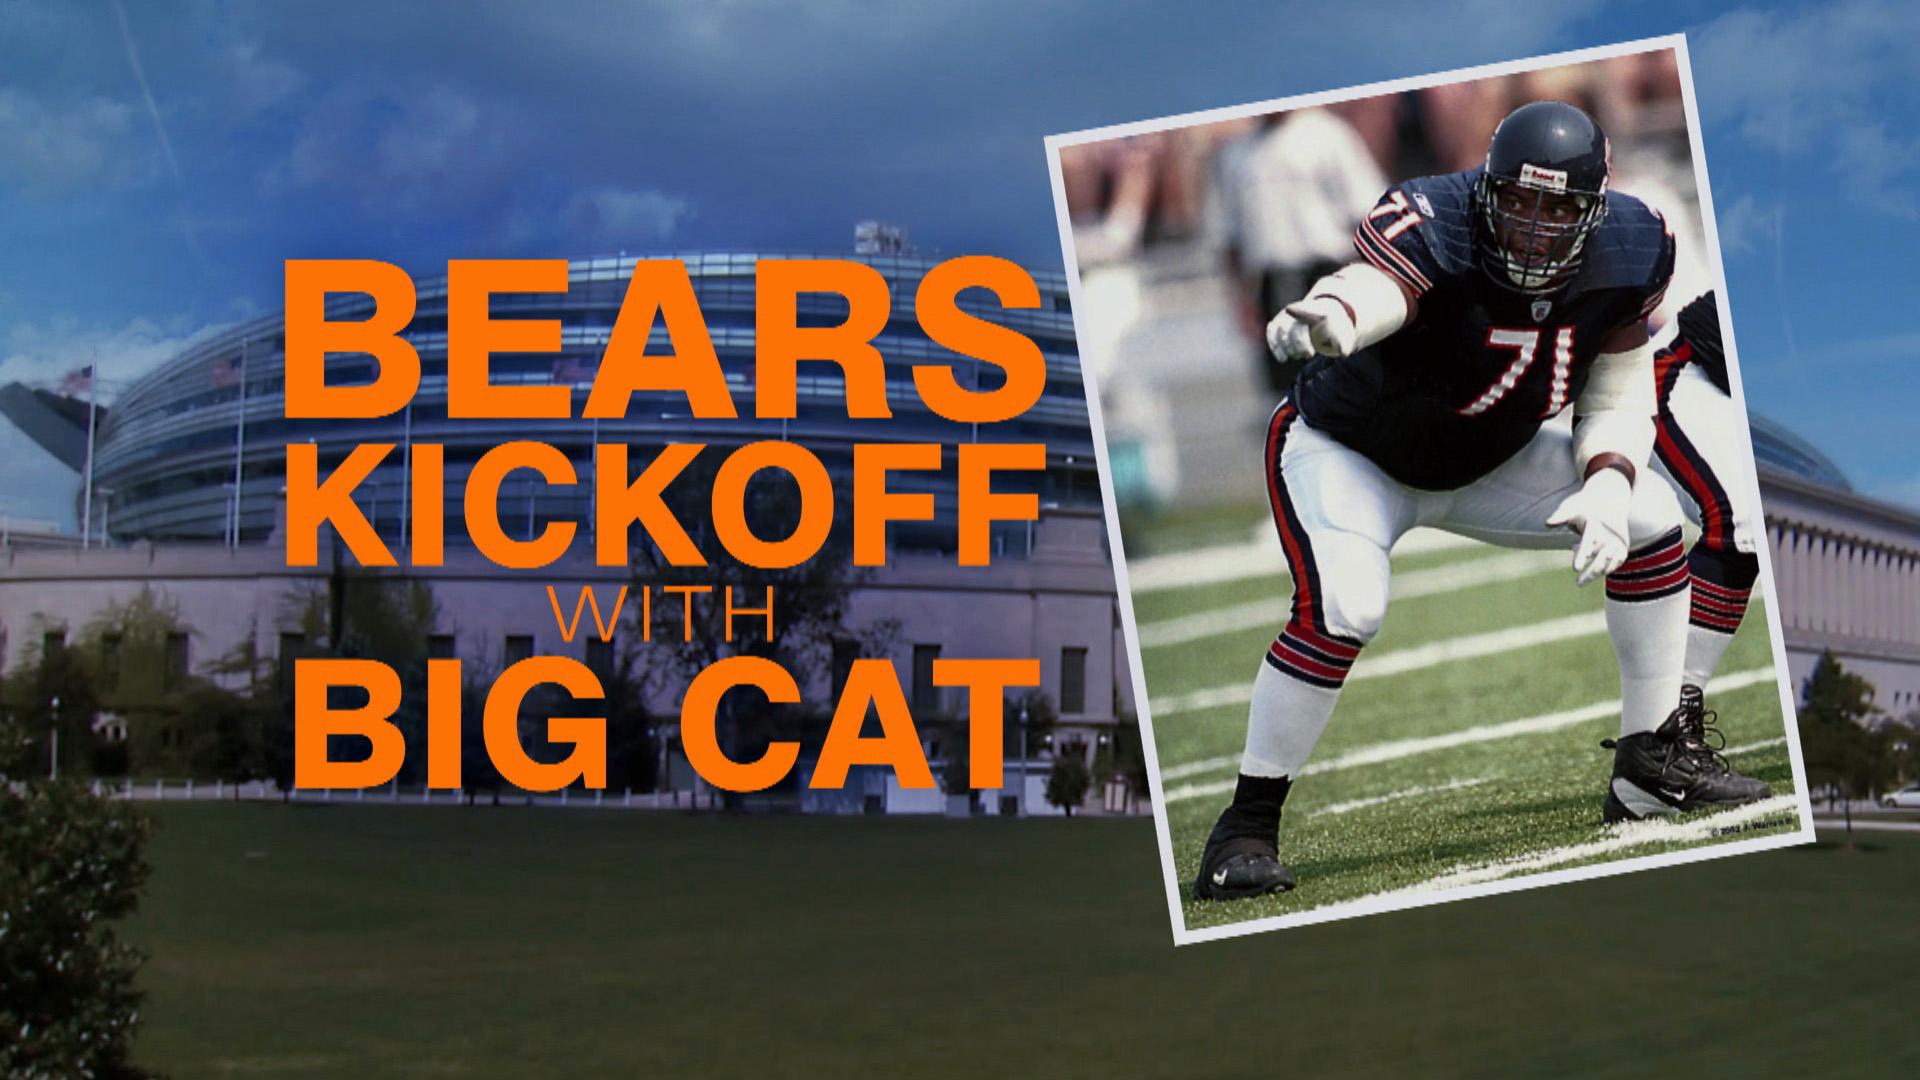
{"x": 226, "y": 373}
{"x": 77, "y": 381}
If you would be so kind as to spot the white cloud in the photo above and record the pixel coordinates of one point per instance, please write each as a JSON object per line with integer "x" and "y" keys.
{"x": 629, "y": 213}
{"x": 54, "y": 147}
{"x": 598, "y": 220}
{"x": 41, "y": 354}
{"x": 1817, "y": 79}
{"x": 255, "y": 81}
{"x": 1873, "y": 166}
{"x": 1746, "y": 224}
{"x": 407, "y": 150}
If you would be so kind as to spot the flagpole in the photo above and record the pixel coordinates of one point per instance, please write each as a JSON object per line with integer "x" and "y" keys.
{"x": 406, "y": 484}
{"x": 593, "y": 451}
{"x": 239, "y": 446}
{"x": 86, "y": 495}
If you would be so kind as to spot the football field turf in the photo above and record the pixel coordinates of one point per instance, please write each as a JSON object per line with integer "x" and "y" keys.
{"x": 1465, "y": 748}
{"x": 373, "y": 942}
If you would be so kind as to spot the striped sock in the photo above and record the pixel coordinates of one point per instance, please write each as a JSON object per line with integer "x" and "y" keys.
{"x": 1293, "y": 698}
{"x": 1722, "y": 585}
{"x": 1647, "y": 620}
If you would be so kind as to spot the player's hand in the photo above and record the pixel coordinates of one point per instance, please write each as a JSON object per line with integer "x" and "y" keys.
{"x": 1318, "y": 325}
{"x": 1598, "y": 512}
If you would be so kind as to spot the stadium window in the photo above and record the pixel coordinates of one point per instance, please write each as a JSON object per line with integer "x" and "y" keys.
{"x": 178, "y": 660}
{"x": 925, "y": 696}
{"x": 52, "y": 642}
{"x": 518, "y": 648}
{"x": 441, "y": 647}
{"x": 1073, "y": 680}
{"x": 110, "y": 661}
{"x": 600, "y": 658}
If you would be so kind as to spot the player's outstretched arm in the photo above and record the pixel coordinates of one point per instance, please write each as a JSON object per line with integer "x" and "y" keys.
{"x": 1344, "y": 312}
{"x": 1612, "y": 438}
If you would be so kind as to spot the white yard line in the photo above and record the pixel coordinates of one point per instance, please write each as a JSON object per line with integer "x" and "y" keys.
{"x": 1619, "y": 838}
{"x": 1433, "y": 581}
{"x": 1256, "y": 557}
{"x": 1415, "y": 658}
{"x": 1380, "y": 753}
{"x": 1392, "y": 796}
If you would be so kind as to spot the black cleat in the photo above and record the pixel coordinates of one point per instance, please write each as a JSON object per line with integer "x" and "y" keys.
{"x": 1675, "y": 769}
{"x": 1242, "y": 856}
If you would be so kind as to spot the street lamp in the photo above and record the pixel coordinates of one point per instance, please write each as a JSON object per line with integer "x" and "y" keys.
{"x": 1020, "y": 793}
{"x": 53, "y": 728}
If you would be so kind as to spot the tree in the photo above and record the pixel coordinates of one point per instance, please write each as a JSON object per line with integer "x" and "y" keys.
{"x": 367, "y": 616}
{"x": 690, "y": 631}
{"x": 633, "y": 763}
{"x": 1840, "y": 752}
{"x": 130, "y": 664}
{"x": 70, "y": 865}
{"x": 1123, "y": 756}
{"x": 1041, "y": 717}
{"x": 956, "y": 770}
{"x": 54, "y": 689}
{"x": 1070, "y": 779}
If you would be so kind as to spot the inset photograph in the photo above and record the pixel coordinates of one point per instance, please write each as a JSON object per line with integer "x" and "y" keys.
{"x": 1431, "y": 489}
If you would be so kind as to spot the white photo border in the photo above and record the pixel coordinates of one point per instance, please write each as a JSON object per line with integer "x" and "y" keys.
{"x": 1396, "y": 901}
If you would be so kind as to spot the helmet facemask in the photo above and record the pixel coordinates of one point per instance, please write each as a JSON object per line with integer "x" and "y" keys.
{"x": 1535, "y": 229}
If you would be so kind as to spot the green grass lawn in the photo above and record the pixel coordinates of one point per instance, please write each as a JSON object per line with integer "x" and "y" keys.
{"x": 380, "y": 941}
{"x": 1449, "y": 813}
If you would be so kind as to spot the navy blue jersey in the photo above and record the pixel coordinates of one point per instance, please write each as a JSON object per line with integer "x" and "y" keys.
{"x": 1467, "y": 383}
{"x": 1700, "y": 332}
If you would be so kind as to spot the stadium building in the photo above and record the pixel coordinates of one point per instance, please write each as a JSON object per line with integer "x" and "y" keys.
{"x": 1846, "y": 569}
{"x": 43, "y": 449}
{"x": 177, "y": 438}
{"x": 169, "y": 451}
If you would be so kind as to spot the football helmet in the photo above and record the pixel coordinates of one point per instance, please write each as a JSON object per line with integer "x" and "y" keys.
{"x": 1541, "y": 196}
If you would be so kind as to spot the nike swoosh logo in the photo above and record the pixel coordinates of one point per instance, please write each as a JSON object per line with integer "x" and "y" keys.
{"x": 1676, "y": 796}
{"x": 1219, "y": 877}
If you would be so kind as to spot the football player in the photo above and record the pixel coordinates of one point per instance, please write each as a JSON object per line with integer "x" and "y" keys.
{"x": 1698, "y": 451}
{"x": 1484, "y": 304}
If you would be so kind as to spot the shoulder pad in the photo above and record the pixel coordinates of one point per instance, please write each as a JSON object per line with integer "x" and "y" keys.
{"x": 1632, "y": 249}
{"x": 1421, "y": 231}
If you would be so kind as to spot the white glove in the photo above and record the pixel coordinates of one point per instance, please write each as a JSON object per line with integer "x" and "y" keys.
{"x": 1319, "y": 324}
{"x": 1598, "y": 511}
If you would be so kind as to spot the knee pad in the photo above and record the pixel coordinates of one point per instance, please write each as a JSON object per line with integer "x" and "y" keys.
{"x": 1352, "y": 600}
{"x": 1654, "y": 511}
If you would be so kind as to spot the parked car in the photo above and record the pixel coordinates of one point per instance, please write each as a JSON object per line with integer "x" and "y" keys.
{"x": 1907, "y": 798}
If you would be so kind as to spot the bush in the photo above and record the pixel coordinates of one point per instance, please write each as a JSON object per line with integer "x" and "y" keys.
{"x": 70, "y": 864}
{"x": 1069, "y": 781}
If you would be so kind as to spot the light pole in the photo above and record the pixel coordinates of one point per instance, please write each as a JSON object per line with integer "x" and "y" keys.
{"x": 1020, "y": 793}
{"x": 53, "y": 728}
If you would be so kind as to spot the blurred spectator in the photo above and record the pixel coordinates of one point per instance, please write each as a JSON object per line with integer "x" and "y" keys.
{"x": 1286, "y": 198}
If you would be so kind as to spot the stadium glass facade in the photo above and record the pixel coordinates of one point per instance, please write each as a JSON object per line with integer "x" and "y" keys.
{"x": 167, "y": 455}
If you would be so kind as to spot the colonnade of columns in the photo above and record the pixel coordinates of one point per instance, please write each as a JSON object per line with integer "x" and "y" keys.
{"x": 1835, "y": 583}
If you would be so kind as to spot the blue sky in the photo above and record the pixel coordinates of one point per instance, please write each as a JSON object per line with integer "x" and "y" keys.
{"x": 158, "y": 162}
